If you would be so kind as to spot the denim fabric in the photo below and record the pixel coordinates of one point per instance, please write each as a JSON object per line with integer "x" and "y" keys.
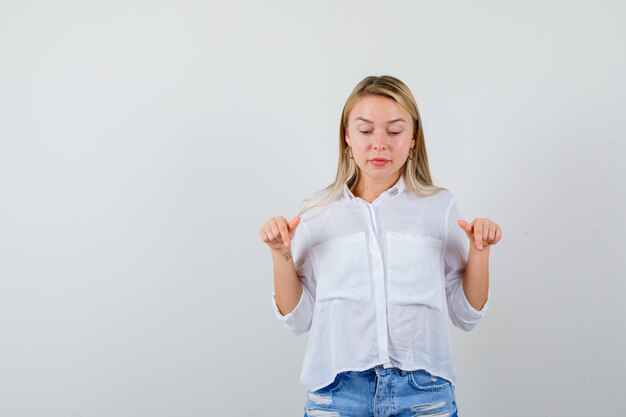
{"x": 383, "y": 392}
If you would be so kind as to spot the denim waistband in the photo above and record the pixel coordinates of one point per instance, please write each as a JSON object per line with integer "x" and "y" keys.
{"x": 381, "y": 370}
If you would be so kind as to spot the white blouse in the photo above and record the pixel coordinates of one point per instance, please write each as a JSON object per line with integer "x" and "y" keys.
{"x": 378, "y": 279}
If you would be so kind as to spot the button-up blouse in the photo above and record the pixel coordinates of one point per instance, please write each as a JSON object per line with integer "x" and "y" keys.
{"x": 378, "y": 281}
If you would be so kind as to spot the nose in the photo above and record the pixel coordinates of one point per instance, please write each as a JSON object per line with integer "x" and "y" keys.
{"x": 380, "y": 141}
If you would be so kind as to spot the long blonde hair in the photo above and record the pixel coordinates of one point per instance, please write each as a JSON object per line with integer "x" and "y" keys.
{"x": 416, "y": 173}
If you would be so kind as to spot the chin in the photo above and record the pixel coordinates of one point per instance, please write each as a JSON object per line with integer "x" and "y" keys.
{"x": 380, "y": 174}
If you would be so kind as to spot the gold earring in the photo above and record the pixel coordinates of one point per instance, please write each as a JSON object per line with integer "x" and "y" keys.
{"x": 412, "y": 154}
{"x": 345, "y": 152}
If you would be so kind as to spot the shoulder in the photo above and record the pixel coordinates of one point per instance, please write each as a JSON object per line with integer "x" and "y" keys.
{"x": 440, "y": 201}
{"x": 445, "y": 196}
{"x": 449, "y": 203}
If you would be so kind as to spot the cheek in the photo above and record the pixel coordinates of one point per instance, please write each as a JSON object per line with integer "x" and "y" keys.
{"x": 401, "y": 151}
{"x": 359, "y": 151}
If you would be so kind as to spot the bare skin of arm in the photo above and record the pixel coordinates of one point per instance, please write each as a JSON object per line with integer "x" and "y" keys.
{"x": 277, "y": 234}
{"x": 476, "y": 277}
{"x": 482, "y": 233}
{"x": 287, "y": 285}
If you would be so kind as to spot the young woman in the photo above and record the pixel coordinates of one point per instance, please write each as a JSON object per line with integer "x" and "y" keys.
{"x": 375, "y": 263}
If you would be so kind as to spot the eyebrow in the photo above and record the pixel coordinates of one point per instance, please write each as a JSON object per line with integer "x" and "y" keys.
{"x": 400, "y": 119}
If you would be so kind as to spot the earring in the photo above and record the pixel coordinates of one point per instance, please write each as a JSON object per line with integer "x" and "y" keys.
{"x": 412, "y": 153}
{"x": 346, "y": 153}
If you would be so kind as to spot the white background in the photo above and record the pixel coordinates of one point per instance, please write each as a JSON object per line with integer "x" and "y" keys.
{"x": 144, "y": 143}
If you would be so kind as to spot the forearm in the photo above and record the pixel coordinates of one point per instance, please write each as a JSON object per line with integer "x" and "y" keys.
{"x": 476, "y": 277}
{"x": 287, "y": 285}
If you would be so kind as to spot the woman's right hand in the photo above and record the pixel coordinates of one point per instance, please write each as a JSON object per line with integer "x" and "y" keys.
{"x": 277, "y": 232}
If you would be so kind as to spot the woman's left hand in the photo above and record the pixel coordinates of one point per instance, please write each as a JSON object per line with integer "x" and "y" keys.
{"x": 483, "y": 232}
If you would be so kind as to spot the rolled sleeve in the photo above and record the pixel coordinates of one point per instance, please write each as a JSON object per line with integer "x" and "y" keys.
{"x": 299, "y": 320}
{"x": 466, "y": 316}
{"x": 461, "y": 312}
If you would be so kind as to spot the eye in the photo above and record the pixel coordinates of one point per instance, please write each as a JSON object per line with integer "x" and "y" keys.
{"x": 395, "y": 133}
{"x": 365, "y": 133}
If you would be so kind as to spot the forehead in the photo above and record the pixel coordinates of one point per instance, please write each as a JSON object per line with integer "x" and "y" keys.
{"x": 378, "y": 109}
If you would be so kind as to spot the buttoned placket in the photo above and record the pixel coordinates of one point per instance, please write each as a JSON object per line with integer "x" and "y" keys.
{"x": 378, "y": 270}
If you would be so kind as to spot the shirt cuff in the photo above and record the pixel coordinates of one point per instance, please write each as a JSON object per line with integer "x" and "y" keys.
{"x": 465, "y": 310}
{"x": 293, "y": 312}
{"x": 299, "y": 319}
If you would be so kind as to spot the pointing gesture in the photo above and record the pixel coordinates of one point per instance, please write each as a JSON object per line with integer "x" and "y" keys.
{"x": 482, "y": 231}
{"x": 277, "y": 232}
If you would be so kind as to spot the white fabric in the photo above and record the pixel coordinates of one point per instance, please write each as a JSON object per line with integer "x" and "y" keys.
{"x": 378, "y": 281}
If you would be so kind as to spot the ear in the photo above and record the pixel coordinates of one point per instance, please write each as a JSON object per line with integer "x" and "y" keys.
{"x": 347, "y": 139}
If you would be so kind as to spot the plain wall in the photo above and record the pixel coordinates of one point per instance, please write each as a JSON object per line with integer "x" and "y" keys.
{"x": 143, "y": 144}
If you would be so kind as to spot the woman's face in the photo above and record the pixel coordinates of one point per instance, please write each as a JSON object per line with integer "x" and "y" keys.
{"x": 378, "y": 127}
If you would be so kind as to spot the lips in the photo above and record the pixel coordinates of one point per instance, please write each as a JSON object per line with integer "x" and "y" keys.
{"x": 379, "y": 162}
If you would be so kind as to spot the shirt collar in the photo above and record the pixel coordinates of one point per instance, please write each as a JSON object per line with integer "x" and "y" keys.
{"x": 395, "y": 189}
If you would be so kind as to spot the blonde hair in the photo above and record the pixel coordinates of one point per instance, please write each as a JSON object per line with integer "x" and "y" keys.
{"x": 416, "y": 173}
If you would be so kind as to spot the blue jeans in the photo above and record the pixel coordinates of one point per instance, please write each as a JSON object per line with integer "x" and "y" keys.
{"x": 380, "y": 392}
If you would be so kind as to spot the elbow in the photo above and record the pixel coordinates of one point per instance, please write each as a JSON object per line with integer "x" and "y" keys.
{"x": 463, "y": 325}
{"x": 462, "y": 314}
{"x": 297, "y": 330}
{"x": 299, "y": 319}
{"x": 465, "y": 319}
{"x": 297, "y": 323}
